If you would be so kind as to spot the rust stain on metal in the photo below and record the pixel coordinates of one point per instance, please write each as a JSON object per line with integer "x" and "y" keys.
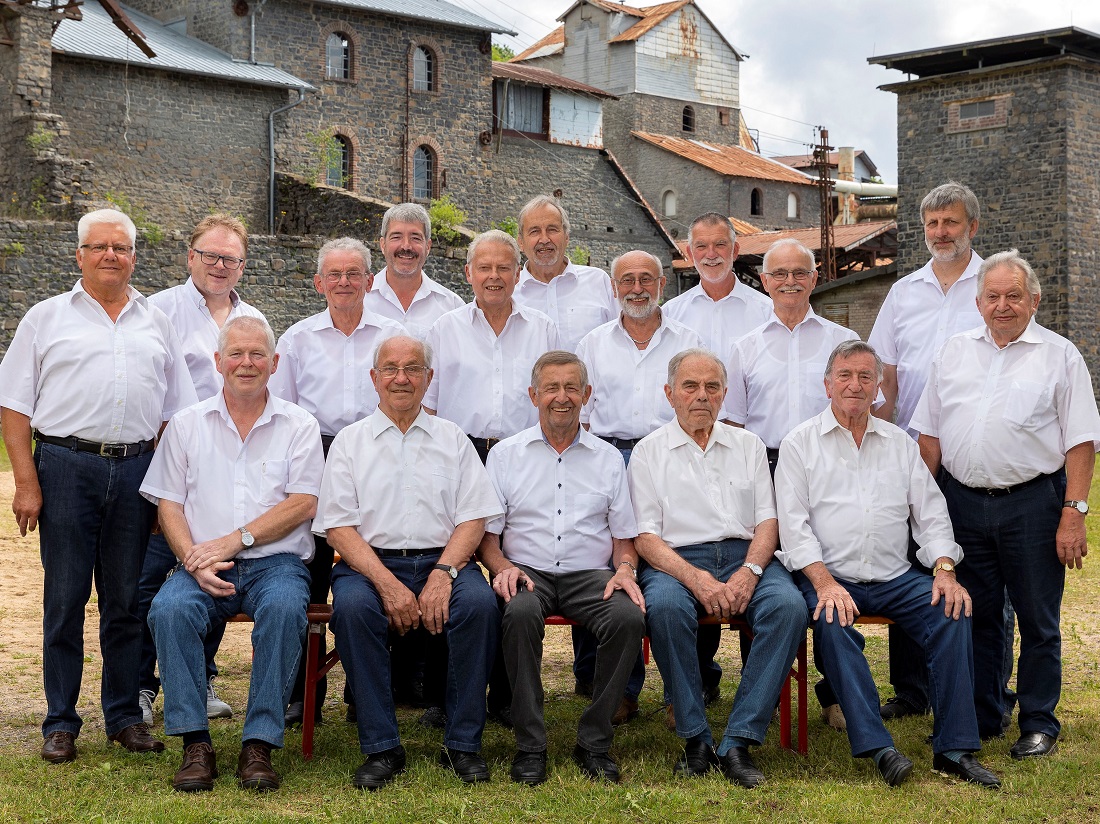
{"x": 689, "y": 35}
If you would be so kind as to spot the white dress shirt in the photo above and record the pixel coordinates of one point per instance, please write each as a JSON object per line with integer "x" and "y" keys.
{"x": 1005, "y": 416}
{"x": 777, "y": 375}
{"x": 429, "y": 304}
{"x": 686, "y": 495}
{"x": 720, "y": 322}
{"x": 326, "y": 372}
{"x": 913, "y": 323}
{"x": 198, "y": 331}
{"x": 224, "y": 483}
{"x": 850, "y": 507}
{"x": 628, "y": 384}
{"x": 75, "y": 372}
{"x": 403, "y": 491}
{"x": 560, "y": 511}
{"x": 578, "y": 300}
{"x": 481, "y": 378}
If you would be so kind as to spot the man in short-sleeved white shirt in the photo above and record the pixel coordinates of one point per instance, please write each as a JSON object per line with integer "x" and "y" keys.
{"x": 577, "y": 298}
{"x": 401, "y": 291}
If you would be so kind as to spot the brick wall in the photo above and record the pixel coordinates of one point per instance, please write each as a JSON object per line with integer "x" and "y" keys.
{"x": 854, "y": 302}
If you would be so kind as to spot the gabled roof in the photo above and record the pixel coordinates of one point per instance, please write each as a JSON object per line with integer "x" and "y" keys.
{"x": 845, "y": 237}
{"x": 436, "y": 11}
{"x": 806, "y": 161}
{"x": 553, "y": 43}
{"x": 97, "y": 37}
{"x": 543, "y": 77}
{"x": 726, "y": 160}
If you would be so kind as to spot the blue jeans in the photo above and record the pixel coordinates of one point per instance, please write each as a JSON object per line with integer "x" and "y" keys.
{"x": 273, "y": 592}
{"x": 906, "y": 600}
{"x": 159, "y": 561}
{"x": 776, "y": 614}
{"x": 361, "y": 628}
{"x": 94, "y": 526}
{"x": 1009, "y": 541}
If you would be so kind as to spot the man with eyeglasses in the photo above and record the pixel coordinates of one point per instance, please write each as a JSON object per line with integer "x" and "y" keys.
{"x": 198, "y": 309}
{"x": 324, "y": 367}
{"x": 92, "y": 374}
{"x": 404, "y": 501}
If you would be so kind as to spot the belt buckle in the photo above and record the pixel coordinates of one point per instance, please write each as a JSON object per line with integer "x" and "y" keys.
{"x": 112, "y": 450}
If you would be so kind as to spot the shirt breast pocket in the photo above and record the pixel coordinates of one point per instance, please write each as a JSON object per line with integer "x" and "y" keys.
{"x": 1027, "y": 404}
{"x": 445, "y": 490}
{"x": 274, "y": 476}
{"x": 740, "y": 500}
{"x": 891, "y": 495}
{"x": 589, "y": 514}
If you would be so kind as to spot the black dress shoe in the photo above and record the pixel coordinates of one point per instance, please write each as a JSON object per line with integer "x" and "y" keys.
{"x": 350, "y": 715}
{"x": 294, "y": 713}
{"x": 380, "y": 768}
{"x": 529, "y": 768}
{"x": 137, "y": 738}
{"x": 469, "y": 766}
{"x": 59, "y": 747}
{"x": 967, "y": 768}
{"x": 599, "y": 766}
{"x": 698, "y": 759}
{"x": 738, "y": 767}
{"x": 1034, "y": 745}
{"x": 894, "y": 767}
{"x": 899, "y": 708}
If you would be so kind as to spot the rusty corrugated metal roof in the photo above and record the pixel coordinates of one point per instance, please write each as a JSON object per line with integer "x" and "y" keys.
{"x": 436, "y": 11}
{"x": 553, "y": 43}
{"x": 651, "y": 16}
{"x": 727, "y": 160}
{"x": 544, "y": 77}
{"x": 806, "y": 161}
{"x": 743, "y": 227}
{"x": 845, "y": 237}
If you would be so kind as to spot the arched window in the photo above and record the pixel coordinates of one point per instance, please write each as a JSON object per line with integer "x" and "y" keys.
{"x": 689, "y": 119}
{"x": 338, "y": 57}
{"x": 339, "y": 167}
{"x": 792, "y": 205}
{"x": 668, "y": 204}
{"x": 423, "y": 173}
{"x": 756, "y": 202}
{"x": 423, "y": 70}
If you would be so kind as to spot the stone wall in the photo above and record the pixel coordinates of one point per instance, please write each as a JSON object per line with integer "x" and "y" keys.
{"x": 854, "y": 301}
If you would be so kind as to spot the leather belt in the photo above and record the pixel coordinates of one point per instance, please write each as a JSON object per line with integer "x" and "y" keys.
{"x": 104, "y": 450}
{"x": 408, "y": 553}
{"x": 484, "y": 443}
{"x": 620, "y": 443}
{"x": 1007, "y": 490}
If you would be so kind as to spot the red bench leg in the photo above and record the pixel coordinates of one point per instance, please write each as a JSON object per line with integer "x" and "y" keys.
{"x": 313, "y": 645}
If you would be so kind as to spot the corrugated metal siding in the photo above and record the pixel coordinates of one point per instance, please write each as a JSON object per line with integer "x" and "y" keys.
{"x": 576, "y": 120}
{"x": 686, "y": 58}
{"x": 434, "y": 10}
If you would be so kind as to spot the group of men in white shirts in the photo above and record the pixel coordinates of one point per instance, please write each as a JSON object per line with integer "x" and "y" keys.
{"x": 603, "y": 456}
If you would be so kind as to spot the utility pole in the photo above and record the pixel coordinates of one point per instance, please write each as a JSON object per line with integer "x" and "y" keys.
{"x": 827, "y": 255}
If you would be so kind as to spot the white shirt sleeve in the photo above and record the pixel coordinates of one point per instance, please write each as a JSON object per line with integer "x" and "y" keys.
{"x": 166, "y": 477}
{"x": 338, "y": 504}
{"x": 799, "y": 546}
{"x": 643, "y": 493}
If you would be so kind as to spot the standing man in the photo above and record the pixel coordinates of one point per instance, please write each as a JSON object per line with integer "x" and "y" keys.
{"x": 707, "y": 531}
{"x": 848, "y": 486}
{"x": 93, "y": 374}
{"x": 404, "y": 501}
{"x": 235, "y": 481}
{"x": 1009, "y": 415}
{"x": 401, "y": 291}
{"x": 325, "y": 364}
{"x": 579, "y": 563}
{"x": 577, "y": 298}
{"x": 198, "y": 309}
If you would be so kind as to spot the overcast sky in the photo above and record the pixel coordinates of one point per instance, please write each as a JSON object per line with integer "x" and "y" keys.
{"x": 807, "y": 61}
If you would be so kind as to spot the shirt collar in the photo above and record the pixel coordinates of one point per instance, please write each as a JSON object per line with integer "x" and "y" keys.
{"x": 811, "y": 317}
{"x": 271, "y": 409}
{"x": 678, "y": 437}
{"x": 827, "y": 423}
{"x": 1029, "y": 335}
{"x": 736, "y": 293}
{"x": 971, "y": 270}
{"x": 570, "y": 270}
{"x": 197, "y": 298}
{"x": 380, "y": 422}
{"x": 133, "y": 295}
{"x": 382, "y": 285}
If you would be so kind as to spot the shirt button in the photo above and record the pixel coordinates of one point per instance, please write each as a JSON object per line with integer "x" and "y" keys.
{"x": 559, "y": 537}
{"x": 559, "y": 512}
{"x": 559, "y": 460}
{"x": 559, "y": 486}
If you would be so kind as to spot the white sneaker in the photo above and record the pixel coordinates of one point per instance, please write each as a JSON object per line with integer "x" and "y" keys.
{"x": 215, "y": 707}
{"x": 145, "y": 701}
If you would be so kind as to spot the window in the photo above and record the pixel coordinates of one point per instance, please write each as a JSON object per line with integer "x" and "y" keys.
{"x": 981, "y": 108}
{"x": 723, "y": 116}
{"x": 423, "y": 70}
{"x": 525, "y": 110}
{"x": 668, "y": 204}
{"x": 976, "y": 115}
{"x": 337, "y": 57}
{"x": 339, "y": 167}
{"x": 689, "y": 119}
{"x": 756, "y": 202}
{"x": 423, "y": 173}
{"x": 792, "y": 206}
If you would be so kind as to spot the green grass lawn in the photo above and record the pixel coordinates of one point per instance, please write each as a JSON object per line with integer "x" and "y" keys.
{"x": 5, "y": 464}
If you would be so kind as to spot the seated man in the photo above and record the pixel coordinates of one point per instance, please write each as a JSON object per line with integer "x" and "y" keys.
{"x": 404, "y": 501}
{"x": 562, "y": 563}
{"x": 236, "y": 480}
{"x": 848, "y": 486}
{"x": 706, "y": 521}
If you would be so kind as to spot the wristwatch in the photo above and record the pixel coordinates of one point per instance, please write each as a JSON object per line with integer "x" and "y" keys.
{"x": 1080, "y": 506}
{"x": 754, "y": 569}
{"x": 452, "y": 573}
{"x": 946, "y": 566}
{"x": 246, "y": 537}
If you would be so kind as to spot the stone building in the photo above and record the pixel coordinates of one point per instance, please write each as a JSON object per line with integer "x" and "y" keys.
{"x": 1013, "y": 118}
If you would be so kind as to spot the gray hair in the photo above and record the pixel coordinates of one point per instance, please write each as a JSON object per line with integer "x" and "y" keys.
{"x": 676, "y": 360}
{"x": 850, "y": 348}
{"x": 1013, "y": 259}
{"x": 946, "y": 196}
{"x": 105, "y": 217}
{"x": 244, "y": 323}
{"x": 343, "y": 244}
{"x": 493, "y": 236}
{"x": 407, "y": 213}
{"x": 537, "y": 202}
{"x": 557, "y": 357}
{"x": 712, "y": 219}
{"x": 656, "y": 261}
{"x": 789, "y": 243}
{"x": 425, "y": 349}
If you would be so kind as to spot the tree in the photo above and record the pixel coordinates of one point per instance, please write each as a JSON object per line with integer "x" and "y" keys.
{"x": 501, "y": 53}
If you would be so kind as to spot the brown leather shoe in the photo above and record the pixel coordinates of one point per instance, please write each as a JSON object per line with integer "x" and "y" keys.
{"x": 670, "y": 718}
{"x": 627, "y": 711}
{"x": 59, "y": 747}
{"x": 198, "y": 770}
{"x": 254, "y": 768}
{"x": 137, "y": 738}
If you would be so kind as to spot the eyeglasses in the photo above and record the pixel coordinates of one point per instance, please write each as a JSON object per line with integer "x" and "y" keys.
{"x": 214, "y": 259}
{"x": 411, "y": 372}
{"x": 645, "y": 280}
{"x": 783, "y": 274}
{"x": 101, "y": 248}
{"x": 353, "y": 276}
